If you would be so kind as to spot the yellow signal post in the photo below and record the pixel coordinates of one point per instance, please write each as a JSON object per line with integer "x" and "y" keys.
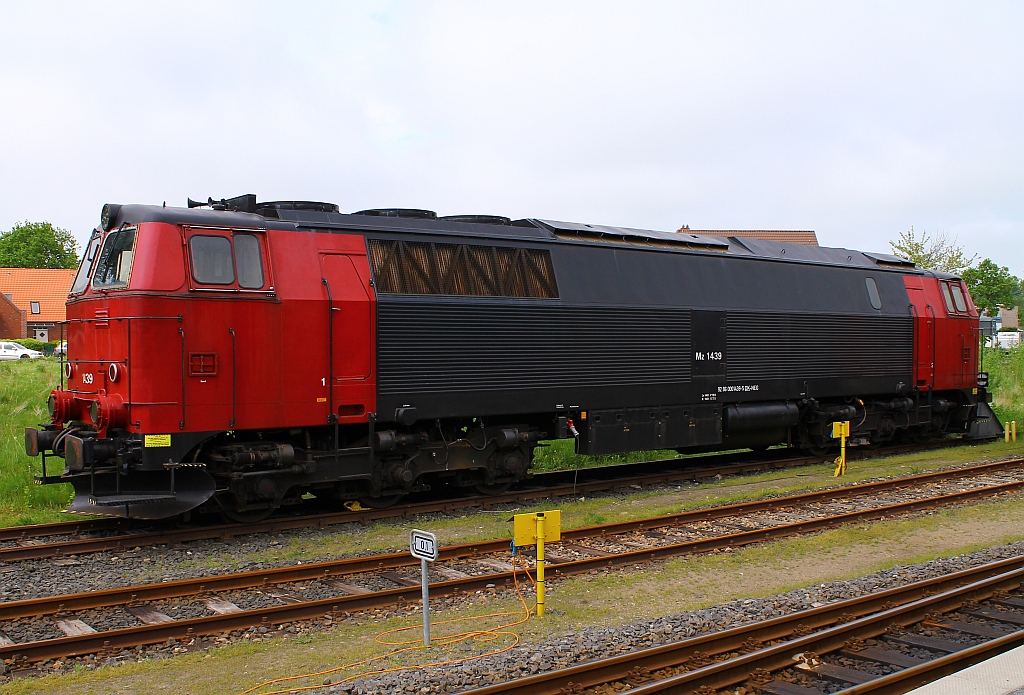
{"x": 537, "y": 529}
{"x": 840, "y": 431}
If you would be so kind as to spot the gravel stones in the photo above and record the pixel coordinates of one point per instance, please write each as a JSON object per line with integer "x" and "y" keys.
{"x": 602, "y": 642}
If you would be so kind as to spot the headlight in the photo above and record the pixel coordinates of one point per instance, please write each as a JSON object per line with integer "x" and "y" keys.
{"x": 108, "y": 411}
{"x": 108, "y": 216}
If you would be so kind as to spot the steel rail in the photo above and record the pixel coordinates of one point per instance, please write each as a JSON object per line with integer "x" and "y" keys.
{"x": 608, "y": 477}
{"x": 915, "y": 676}
{"x": 600, "y": 671}
{"x": 120, "y": 543}
{"x": 11, "y": 610}
{"x": 741, "y": 668}
{"x": 148, "y": 634}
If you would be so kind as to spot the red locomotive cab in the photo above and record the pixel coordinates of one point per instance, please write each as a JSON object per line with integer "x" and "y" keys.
{"x": 945, "y": 333}
{"x": 119, "y": 382}
{"x": 957, "y": 360}
{"x": 120, "y": 292}
{"x": 187, "y": 341}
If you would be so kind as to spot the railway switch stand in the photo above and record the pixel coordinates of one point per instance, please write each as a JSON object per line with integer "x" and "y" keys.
{"x": 536, "y": 529}
{"x": 840, "y": 431}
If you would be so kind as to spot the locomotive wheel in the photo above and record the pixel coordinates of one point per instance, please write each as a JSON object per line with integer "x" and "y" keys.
{"x": 817, "y": 450}
{"x": 495, "y": 489}
{"x": 248, "y": 516}
{"x": 380, "y": 502}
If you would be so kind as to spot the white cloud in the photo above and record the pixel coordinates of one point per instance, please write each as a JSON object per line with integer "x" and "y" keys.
{"x": 857, "y": 120}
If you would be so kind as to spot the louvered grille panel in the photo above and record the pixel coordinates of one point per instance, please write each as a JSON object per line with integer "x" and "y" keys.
{"x": 412, "y": 267}
{"x": 429, "y": 348}
{"x": 781, "y": 346}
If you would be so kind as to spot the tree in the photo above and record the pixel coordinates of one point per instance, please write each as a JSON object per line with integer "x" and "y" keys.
{"x": 38, "y": 245}
{"x": 932, "y": 254}
{"x": 992, "y": 286}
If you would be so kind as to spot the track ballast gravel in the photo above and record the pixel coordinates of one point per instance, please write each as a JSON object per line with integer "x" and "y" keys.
{"x": 603, "y": 642}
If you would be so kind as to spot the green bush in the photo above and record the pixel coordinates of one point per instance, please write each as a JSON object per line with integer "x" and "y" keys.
{"x": 30, "y": 343}
{"x": 33, "y": 344}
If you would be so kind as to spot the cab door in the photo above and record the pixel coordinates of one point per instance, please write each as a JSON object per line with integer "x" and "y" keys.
{"x": 350, "y": 318}
{"x": 924, "y": 332}
{"x": 350, "y": 326}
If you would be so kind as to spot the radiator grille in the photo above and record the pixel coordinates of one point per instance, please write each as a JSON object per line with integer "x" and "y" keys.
{"x": 780, "y": 346}
{"x": 429, "y": 347}
{"x": 413, "y": 267}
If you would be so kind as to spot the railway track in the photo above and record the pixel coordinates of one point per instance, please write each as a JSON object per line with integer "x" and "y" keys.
{"x": 886, "y": 642}
{"x": 101, "y": 535}
{"x": 40, "y": 629}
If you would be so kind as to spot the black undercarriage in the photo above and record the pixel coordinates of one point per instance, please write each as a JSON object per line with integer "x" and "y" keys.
{"x": 247, "y": 475}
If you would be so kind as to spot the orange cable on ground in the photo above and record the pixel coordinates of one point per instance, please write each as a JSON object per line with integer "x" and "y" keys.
{"x": 485, "y": 635}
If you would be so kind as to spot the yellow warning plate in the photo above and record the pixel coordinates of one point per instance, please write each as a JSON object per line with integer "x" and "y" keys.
{"x": 157, "y": 440}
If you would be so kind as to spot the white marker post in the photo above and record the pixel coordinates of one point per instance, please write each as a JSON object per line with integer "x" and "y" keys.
{"x": 423, "y": 544}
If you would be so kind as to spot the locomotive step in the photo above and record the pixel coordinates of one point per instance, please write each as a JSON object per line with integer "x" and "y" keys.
{"x": 118, "y": 500}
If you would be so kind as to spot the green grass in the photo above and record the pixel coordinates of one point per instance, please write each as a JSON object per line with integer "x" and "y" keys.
{"x": 559, "y": 455}
{"x": 24, "y": 387}
{"x": 1006, "y": 382}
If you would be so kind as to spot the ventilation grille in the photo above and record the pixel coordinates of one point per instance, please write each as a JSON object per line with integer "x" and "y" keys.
{"x": 433, "y": 347}
{"x": 779, "y": 346}
{"x": 412, "y": 267}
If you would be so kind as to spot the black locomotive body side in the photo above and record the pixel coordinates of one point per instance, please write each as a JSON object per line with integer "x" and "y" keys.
{"x": 652, "y": 343}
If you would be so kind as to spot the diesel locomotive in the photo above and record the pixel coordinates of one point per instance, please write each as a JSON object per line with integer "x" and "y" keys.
{"x": 239, "y": 355}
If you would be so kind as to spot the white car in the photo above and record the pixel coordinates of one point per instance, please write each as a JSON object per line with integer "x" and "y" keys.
{"x": 61, "y": 349}
{"x": 13, "y": 351}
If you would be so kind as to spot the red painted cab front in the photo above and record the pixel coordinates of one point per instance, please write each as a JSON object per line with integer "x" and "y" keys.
{"x": 181, "y": 337}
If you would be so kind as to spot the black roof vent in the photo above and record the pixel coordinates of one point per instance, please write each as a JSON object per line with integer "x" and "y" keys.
{"x": 271, "y": 208}
{"x": 400, "y": 212}
{"x": 478, "y": 219}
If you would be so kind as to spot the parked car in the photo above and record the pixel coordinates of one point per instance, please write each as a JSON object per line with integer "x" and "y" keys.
{"x": 13, "y": 351}
{"x": 61, "y": 349}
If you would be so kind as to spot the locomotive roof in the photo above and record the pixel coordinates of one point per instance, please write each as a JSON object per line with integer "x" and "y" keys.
{"x": 533, "y": 230}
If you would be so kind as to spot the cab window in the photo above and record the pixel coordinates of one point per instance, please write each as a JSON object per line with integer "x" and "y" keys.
{"x": 247, "y": 257}
{"x": 211, "y": 260}
{"x": 114, "y": 267}
{"x": 85, "y": 268}
{"x": 958, "y": 298}
{"x": 230, "y": 262}
{"x": 947, "y": 298}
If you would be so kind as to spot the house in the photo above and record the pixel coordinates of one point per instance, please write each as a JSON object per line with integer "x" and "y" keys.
{"x": 39, "y": 295}
{"x": 12, "y": 319}
{"x": 807, "y": 238}
{"x": 1009, "y": 318}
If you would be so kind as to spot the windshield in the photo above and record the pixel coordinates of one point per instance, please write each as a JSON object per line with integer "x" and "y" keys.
{"x": 115, "y": 263}
{"x": 85, "y": 268}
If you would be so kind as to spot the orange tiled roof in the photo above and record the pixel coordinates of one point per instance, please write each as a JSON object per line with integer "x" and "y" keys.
{"x": 793, "y": 237}
{"x": 47, "y": 286}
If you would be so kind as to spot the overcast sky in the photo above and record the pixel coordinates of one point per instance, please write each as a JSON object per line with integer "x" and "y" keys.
{"x": 857, "y": 120}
